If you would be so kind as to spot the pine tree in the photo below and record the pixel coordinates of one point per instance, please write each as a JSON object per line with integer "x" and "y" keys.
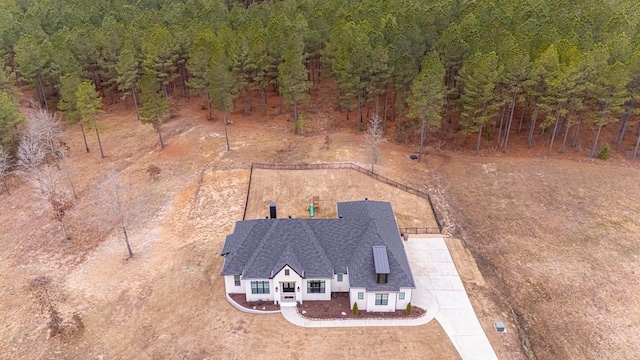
{"x": 10, "y": 118}
{"x": 128, "y": 69}
{"x": 32, "y": 61}
{"x": 68, "y": 104}
{"x": 154, "y": 106}
{"x": 292, "y": 77}
{"x": 223, "y": 86}
{"x": 89, "y": 105}
{"x": 478, "y": 76}
{"x": 427, "y": 96}
{"x": 160, "y": 55}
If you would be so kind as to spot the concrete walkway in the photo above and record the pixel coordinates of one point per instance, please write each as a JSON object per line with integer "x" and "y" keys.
{"x": 440, "y": 290}
{"x": 292, "y": 315}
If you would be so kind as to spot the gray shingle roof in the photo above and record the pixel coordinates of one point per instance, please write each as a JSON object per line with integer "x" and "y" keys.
{"x": 319, "y": 248}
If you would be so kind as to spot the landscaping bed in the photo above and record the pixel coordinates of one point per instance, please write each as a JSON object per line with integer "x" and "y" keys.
{"x": 254, "y": 305}
{"x": 339, "y": 308}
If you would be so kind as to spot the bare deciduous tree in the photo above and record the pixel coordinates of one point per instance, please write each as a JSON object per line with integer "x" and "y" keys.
{"x": 46, "y": 128}
{"x": 30, "y": 154}
{"x": 374, "y": 137}
{"x": 63, "y": 156}
{"x": 113, "y": 198}
{"x": 52, "y": 190}
{"x": 4, "y": 167}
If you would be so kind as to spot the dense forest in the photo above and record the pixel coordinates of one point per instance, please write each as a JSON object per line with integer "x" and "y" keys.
{"x": 485, "y": 69}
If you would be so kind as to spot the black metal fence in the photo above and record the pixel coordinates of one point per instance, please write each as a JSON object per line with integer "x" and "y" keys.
{"x": 320, "y": 166}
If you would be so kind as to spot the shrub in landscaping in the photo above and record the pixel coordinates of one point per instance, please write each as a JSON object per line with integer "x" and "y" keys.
{"x": 408, "y": 310}
{"x": 355, "y": 309}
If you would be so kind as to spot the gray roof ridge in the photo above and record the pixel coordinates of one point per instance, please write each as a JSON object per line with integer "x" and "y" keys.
{"x": 261, "y": 245}
{"x": 357, "y": 261}
{"x": 312, "y": 236}
{"x": 288, "y": 254}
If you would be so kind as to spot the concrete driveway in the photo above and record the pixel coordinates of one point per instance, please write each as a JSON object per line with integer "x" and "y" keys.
{"x": 440, "y": 291}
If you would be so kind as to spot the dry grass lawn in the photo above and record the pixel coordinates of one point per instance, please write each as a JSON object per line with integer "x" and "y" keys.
{"x": 168, "y": 301}
{"x": 293, "y": 190}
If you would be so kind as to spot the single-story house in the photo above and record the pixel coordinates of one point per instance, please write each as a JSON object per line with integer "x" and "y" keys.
{"x": 293, "y": 260}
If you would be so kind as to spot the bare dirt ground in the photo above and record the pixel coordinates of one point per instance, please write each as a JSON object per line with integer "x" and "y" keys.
{"x": 558, "y": 241}
{"x": 293, "y": 190}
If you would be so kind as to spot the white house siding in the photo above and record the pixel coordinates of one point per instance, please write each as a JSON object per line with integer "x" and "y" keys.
{"x": 317, "y": 296}
{"x": 371, "y": 301}
{"x": 340, "y": 286}
{"x": 292, "y": 277}
{"x": 402, "y": 304}
{"x": 230, "y": 285}
{"x": 258, "y": 297}
{"x": 353, "y": 298}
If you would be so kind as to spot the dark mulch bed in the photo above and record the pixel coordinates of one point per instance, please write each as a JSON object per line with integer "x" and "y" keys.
{"x": 340, "y": 303}
{"x": 255, "y": 305}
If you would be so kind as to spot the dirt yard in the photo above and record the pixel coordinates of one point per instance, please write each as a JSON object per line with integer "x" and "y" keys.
{"x": 293, "y": 190}
{"x": 547, "y": 246}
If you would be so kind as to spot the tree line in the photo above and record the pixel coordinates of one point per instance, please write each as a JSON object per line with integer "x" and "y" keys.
{"x": 486, "y": 69}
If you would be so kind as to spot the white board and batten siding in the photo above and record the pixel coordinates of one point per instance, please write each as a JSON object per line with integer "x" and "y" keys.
{"x": 402, "y": 304}
{"x": 340, "y": 286}
{"x": 317, "y": 296}
{"x": 230, "y": 285}
{"x": 353, "y": 298}
{"x": 281, "y": 277}
{"x": 259, "y": 297}
{"x": 391, "y": 302}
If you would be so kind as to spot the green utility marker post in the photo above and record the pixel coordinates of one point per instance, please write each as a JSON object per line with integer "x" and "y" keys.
{"x": 311, "y": 213}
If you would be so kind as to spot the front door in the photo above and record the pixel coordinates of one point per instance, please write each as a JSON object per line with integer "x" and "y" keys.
{"x": 288, "y": 292}
{"x": 288, "y": 287}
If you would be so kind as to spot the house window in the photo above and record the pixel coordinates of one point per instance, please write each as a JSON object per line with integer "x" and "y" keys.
{"x": 382, "y": 278}
{"x": 286, "y": 272}
{"x": 259, "y": 287}
{"x": 236, "y": 279}
{"x": 382, "y": 299}
{"x": 339, "y": 277}
{"x": 315, "y": 287}
{"x": 401, "y": 296}
{"x": 360, "y": 295}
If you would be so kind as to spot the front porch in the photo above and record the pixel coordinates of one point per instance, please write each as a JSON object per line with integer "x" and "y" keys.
{"x": 288, "y": 295}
